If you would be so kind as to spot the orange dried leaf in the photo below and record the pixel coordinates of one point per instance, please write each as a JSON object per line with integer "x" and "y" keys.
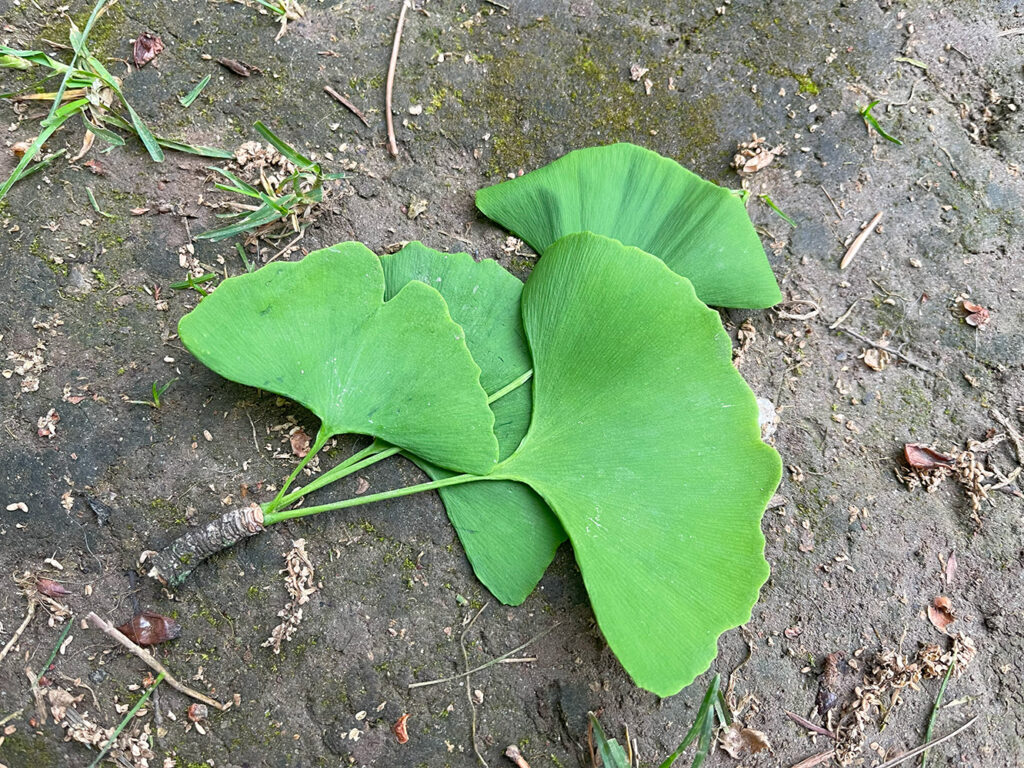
{"x": 940, "y": 613}
{"x": 400, "y": 730}
{"x": 922, "y": 457}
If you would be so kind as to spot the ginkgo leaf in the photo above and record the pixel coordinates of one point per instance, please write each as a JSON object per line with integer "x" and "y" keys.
{"x": 319, "y": 332}
{"x": 642, "y": 199}
{"x": 644, "y": 441}
{"x": 509, "y": 534}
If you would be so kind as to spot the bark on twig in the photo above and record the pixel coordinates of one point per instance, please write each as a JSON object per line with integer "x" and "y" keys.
{"x": 390, "y": 84}
{"x": 513, "y": 754}
{"x": 18, "y": 632}
{"x": 347, "y": 104}
{"x": 858, "y": 241}
{"x": 111, "y": 631}
{"x": 174, "y": 563}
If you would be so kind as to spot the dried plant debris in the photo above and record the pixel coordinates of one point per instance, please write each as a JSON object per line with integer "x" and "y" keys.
{"x": 828, "y": 684}
{"x": 973, "y": 468}
{"x": 754, "y": 155}
{"x": 131, "y": 749}
{"x": 46, "y": 426}
{"x": 740, "y": 742}
{"x": 876, "y": 359}
{"x": 890, "y": 674}
{"x": 27, "y": 365}
{"x": 298, "y": 579}
{"x": 44, "y": 592}
{"x": 147, "y": 47}
{"x": 976, "y": 315}
{"x": 940, "y": 613}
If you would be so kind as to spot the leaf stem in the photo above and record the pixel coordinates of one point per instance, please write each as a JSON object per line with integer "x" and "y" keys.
{"x": 321, "y": 440}
{"x": 511, "y": 386}
{"x": 269, "y": 518}
{"x": 376, "y": 451}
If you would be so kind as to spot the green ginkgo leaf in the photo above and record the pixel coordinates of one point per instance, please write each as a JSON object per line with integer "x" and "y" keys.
{"x": 319, "y": 332}
{"x": 642, "y": 199}
{"x": 644, "y": 441}
{"x": 509, "y": 534}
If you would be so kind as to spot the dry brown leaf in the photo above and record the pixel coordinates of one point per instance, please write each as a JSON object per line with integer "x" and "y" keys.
{"x": 150, "y": 628}
{"x": 977, "y": 315}
{"x": 51, "y": 588}
{"x": 950, "y": 570}
{"x": 60, "y": 700}
{"x": 300, "y": 442}
{"x": 940, "y": 613}
{"x": 147, "y": 47}
{"x": 922, "y": 457}
{"x": 739, "y": 741}
{"x": 876, "y": 359}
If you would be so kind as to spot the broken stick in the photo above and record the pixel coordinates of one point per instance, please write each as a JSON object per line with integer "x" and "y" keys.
{"x": 111, "y": 631}
{"x": 347, "y": 104}
{"x": 858, "y": 241}
{"x": 390, "y": 85}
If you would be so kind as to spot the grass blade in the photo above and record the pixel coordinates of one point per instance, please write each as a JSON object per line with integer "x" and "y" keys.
{"x": 282, "y": 146}
{"x": 195, "y": 149}
{"x": 42, "y": 164}
{"x": 703, "y": 722}
{"x": 78, "y": 43}
{"x": 179, "y": 146}
{"x": 871, "y": 120}
{"x": 771, "y": 204}
{"x": 60, "y": 117}
{"x": 138, "y": 126}
{"x": 257, "y": 218}
{"x": 241, "y": 187}
{"x": 935, "y": 709}
{"x": 107, "y": 135}
{"x": 610, "y": 751}
{"x": 96, "y": 206}
{"x": 187, "y": 99}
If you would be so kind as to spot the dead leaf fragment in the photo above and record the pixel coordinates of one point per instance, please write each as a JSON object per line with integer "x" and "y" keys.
{"x": 51, "y": 588}
{"x": 828, "y": 684}
{"x": 636, "y": 72}
{"x": 876, "y": 359}
{"x": 400, "y": 731}
{"x": 950, "y": 570}
{"x": 300, "y": 442}
{"x": 940, "y": 613}
{"x": 147, "y": 47}
{"x": 922, "y": 457}
{"x": 240, "y": 68}
{"x": 417, "y": 206}
{"x": 739, "y": 741}
{"x": 751, "y": 156}
{"x": 47, "y": 425}
{"x": 977, "y": 315}
{"x": 150, "y": 628}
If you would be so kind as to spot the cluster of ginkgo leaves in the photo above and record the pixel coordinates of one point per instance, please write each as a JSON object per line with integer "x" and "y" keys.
{"x": 636, "y": 439}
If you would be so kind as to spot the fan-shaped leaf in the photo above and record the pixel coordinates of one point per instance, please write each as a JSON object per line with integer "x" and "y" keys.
{"x": 319, "y": 332}
{"x": 644, "y": 441}
{"x": 508, "y": 532}
{"x": 642, "y": 199}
